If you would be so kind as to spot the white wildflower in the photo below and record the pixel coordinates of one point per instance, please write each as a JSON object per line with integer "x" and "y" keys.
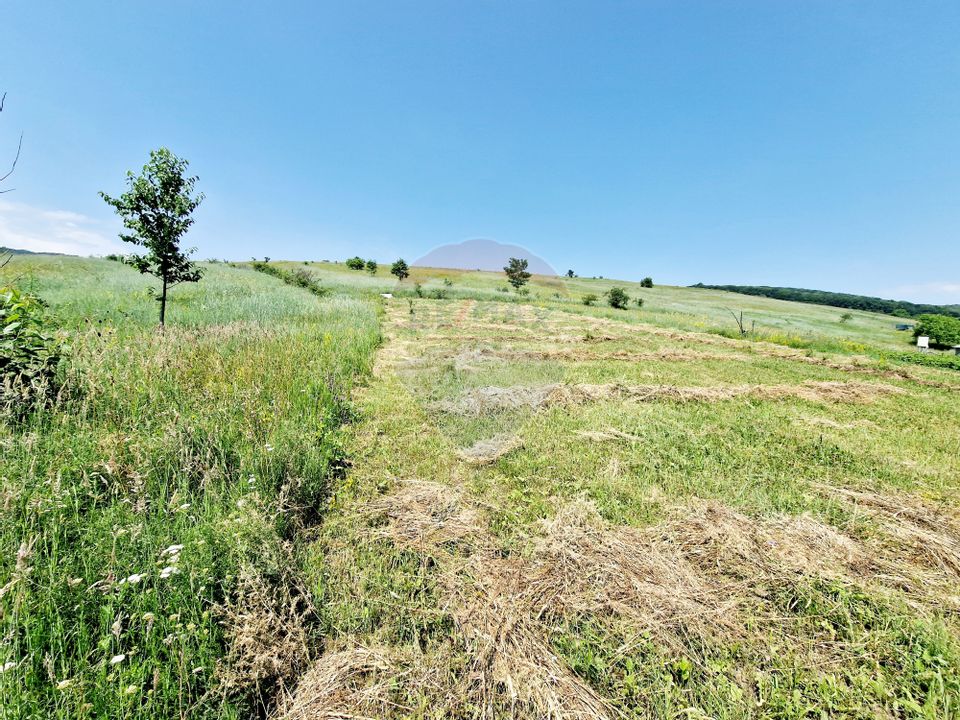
{"x": 9, "y": 665}
{"x": 132, "y": 579}
{"x": 172, "y": 550}
{"x": 168, "y": 571}
{"x": 64, "y": 684}
{"x": 117, "y": 659}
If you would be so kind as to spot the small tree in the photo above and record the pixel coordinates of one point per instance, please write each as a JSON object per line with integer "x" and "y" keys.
{"x": 157, "y": 210}
{"x": 943, "y": 330}
{"x": 400, "y": 269}
{"x": 571, "y": 274}
{"x": 516, "y": 270}
{"x": 371, "y": 266}
{"x": 356, "y": 263}
{"x": 647, "y": 282}
{"x": 846, "y": 317}
{"x": 639, "y": 302}
{"x": 590, "y": 299}
{"x": 617, "y": 298}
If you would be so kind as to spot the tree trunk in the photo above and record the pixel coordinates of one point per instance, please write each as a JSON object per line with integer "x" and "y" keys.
{"x": 163, "y": 302}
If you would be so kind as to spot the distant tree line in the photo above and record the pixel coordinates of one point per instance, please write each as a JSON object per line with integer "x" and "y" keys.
{"x": 898, "y": 308}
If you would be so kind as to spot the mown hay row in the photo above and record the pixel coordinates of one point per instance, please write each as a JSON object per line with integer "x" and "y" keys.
{"x": 497, "y": 399}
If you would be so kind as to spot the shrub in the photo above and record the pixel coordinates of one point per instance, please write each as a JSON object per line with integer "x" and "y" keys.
{"x": 639, "y": 302}
{"x": 356, "y": 263}
{"x": 617, "y": 298}
{"x": 298, "y": 278}
{"x": 371, "y": 266}
{"x": 590, "y": 299}
{"x": 943, "y": 330}
{"x": 30, "y": 353}
{"x": 447, "y": 282}
{"x": 647, "y": 282}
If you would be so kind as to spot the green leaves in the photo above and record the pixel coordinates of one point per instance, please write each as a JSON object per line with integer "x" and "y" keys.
{"x": 29, "y": 353}
{"x": 943, "y": 330}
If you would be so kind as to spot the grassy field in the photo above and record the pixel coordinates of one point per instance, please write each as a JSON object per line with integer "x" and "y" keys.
{"x": 516, "y": 507}
{"x": 557, "y": 515}
{"x": 796, "y": 324}
{"x": 151, "y": 520}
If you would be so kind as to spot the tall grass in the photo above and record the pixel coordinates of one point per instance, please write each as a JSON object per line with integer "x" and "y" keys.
{"x": 170, "y": 481}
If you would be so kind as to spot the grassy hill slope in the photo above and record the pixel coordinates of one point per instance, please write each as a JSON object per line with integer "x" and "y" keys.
{"x": 474, "y": 504}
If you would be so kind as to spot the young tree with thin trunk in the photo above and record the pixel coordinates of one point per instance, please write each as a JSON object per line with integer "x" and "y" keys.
{"x": 516, "y": 270}
{"x": 157, "y": 210}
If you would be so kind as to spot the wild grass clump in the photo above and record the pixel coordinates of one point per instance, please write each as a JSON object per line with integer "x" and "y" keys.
{"x": 150, "y": 524}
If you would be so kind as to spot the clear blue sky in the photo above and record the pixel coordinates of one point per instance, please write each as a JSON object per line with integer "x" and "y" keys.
{"x": 811, "y": 144}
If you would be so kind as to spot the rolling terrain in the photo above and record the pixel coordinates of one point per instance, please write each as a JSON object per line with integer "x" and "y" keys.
{"x": 461, "y": 502}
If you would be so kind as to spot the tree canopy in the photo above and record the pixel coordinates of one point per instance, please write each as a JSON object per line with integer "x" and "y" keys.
{"x": 400, "y": 269}
{"x": 943, "y": 330}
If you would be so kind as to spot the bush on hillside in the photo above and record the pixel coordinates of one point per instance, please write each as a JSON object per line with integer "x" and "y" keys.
{"x": 943, "y": 330}
{"x": 617, "y": 298}
{"x": 371, "y": 266}
{"x": 590, "y": 299}
{"x": 30, "y": 353}
{"x": 647, "y": 282}
{"x": 356, "y": 263}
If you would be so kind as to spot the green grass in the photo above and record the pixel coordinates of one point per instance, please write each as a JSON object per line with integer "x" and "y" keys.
{"x": 252, "y": 432}
{"x": 812, "y": 645}
{"x": 221, "y": 434}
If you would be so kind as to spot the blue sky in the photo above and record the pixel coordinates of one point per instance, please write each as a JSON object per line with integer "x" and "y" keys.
{"x": 812, "y": 144}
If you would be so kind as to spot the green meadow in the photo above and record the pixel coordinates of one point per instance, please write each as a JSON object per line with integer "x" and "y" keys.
{"x": 464, "y": 502}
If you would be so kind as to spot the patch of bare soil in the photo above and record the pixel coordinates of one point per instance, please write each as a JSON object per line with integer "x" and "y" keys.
{"x": 485, "y": 452}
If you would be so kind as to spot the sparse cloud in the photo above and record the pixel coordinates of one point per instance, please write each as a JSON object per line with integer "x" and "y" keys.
{"x": 26, "y": 227}
{"x": 937, "y": 291}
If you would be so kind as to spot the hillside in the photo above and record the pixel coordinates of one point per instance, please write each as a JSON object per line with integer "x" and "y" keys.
{"x": 461, "y": 502}
{"x": 844, "y": 300}
{"x": 696, "y": 309}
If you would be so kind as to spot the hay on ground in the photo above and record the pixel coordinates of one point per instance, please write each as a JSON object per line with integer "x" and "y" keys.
{"x": 485, "y": 452}
{"x": 486, "y": 400}
{"x": 607, "y": 435}
{"x": 931, "y": 533}
{"x": 426, "y": 512}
